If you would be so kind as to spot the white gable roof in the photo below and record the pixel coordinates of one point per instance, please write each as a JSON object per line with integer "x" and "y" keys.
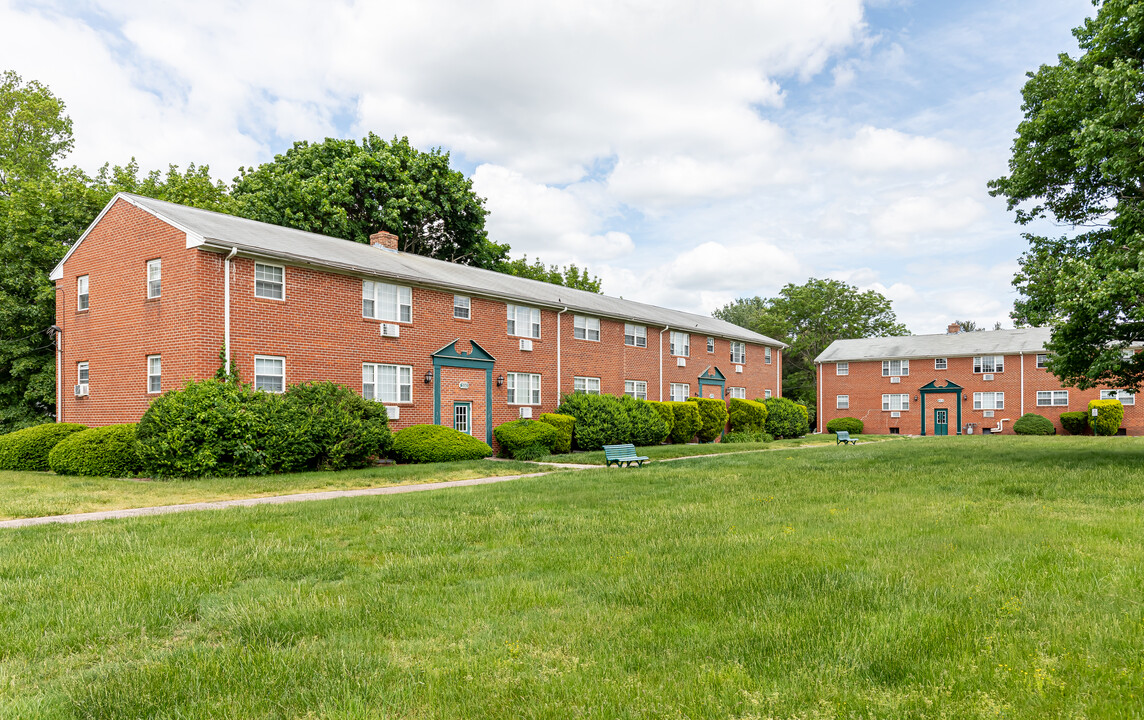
{"x": 989, "y": 342}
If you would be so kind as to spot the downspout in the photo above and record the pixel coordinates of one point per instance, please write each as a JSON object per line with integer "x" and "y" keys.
{"x": 779, "y": 376}
{"x": 661, "y": 332}
{"x": 558, "y": 376}
{"x": 818, "y": 391}
{"x": 59, "y": 359}
{"x": 226, "y": 310}
{"x": 1022, "y": 382}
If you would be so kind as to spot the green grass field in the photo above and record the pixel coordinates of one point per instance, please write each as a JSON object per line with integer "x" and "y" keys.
{"x": 667, "y": 452}
{"x": 931, "y": 578}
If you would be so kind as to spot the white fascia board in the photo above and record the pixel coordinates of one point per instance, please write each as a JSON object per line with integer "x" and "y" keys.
{"x": 193, "y": 240}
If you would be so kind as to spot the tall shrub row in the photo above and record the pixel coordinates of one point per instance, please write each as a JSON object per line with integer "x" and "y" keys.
{"x": 712, "y": 418}
{"x": 609, "y": 420}
{"x": 687, "y": 421}
{"x": 28, "y": 449}
{"x": 785, "y": 418}
{"x": 747, "y": 415}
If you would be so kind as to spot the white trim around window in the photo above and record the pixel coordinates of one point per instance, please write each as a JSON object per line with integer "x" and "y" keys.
{"x": 989, "y": 364}
{"x": 895, "y": 402}
{"x": 738, "y": 352}
{"x": 766, "y": 356}
{"x": 767, "y": 394}
{"x": 635, "y": 335}
{"x": 841, "y": 402}
{"x": 842, "y": 368}
{"x": 636, "y": 389}
{"x": 586, "y": 385}
{"x": 154, "y": 278}
{"x": 1052, "y": 397}
{"x": 680, "y": 344}
{"x": 523, "y": 388}
{"x": 739, "y": 393}
{"x": 270, "y": 373}
{"x": 81, "y": 296}
{"x": 895, "y": 368}
{"x": 710, "y": 344}
{"x": 154, "y": 374}
{"x": 386, "y": 302}
{"x": 387, "y": 383}
{"x": 269, "y": 281}
{"x": 586, "y": 328}
{"x": 462, "y": 307}
{"x": 940, "y": 364}
{"x": 523, "y": 321}
{"x": 82, "y": 373}
{"x": 1125, "y": 397}
{"x": 680, "y": 392}
{"x": 988, "y": 401}
{"x": 1042, "y": 360}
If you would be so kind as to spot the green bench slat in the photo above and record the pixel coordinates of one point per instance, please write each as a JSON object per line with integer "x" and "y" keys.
{"x": 621, "y": 454}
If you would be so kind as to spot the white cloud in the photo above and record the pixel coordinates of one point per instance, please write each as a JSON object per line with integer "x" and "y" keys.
{"x": 881, "y": 150}
{"x": 924, "y": 215}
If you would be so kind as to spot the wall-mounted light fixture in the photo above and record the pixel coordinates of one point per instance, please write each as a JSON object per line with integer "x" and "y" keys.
{"x": 500, "y": 380}
{"x": 428, "y": 376}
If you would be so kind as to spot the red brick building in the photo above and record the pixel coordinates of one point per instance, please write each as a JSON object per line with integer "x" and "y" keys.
{"x": 950, "y": 384}
{"x": 152, "y": 291}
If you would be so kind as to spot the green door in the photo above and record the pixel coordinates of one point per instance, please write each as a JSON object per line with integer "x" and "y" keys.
{"x": 941, "y": 421}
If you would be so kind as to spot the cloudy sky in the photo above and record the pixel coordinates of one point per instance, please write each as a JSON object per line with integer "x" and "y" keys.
{"x": 688, "y": 153}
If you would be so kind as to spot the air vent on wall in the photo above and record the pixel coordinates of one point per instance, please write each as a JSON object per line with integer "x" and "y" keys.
{"x": 681, "y": 362}
{"x": 987, "y": 377}
{"x": 738, "y": 368}
{"x": 988, "y": 413}
{"x": 393, "y": 411}
{"x": 895, "y": 380}
{"x": 525, "y": 345}
{"x": 390, "y": 330}
{"x": 526, "y": 412}
{"x": 80, "y": 390}
{"x": 895, "y": 414}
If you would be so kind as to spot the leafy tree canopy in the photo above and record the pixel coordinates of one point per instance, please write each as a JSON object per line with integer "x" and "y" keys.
{"x": 1078, "y": 160}
{"x": 568, "y": 276}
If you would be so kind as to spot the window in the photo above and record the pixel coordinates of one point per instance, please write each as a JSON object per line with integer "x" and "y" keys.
{"x": 635, "y": 335}
{"x": 462, "y": 307}
{"x": 154, "y": 373}
{"x": 1043, "y": 360}
{"x": 710, "y": 344}
{"x": 896, "y": 402}
{"x": 387, "y": 383}
{"x": 523, "y": 389}
{"x": 842, "y": 368}
{"x": 989, "y": 401}
{"x": 989, "y": 364}
{"x": 1125, "y": 397}
{"x": 586, "y": 328}
{"x": 842, "y": 402}
{"x": 270, "y": 374}
{"x": 81, "y": 292}
{"x": 680, "y": 344}
{"x": 738, "y": 352}
{"x": 154, "y": 278}
{"x": 737, "y": 392}
{"x": 767, "y": 394}
{"x": 895, "y": 368}
{"x": 940, "y": 364}
{"x": 1052, "y": 397}
{"x": 81, "y": 374}
{"x": 636, "y": 389}
{"x": 523, "y": 321}
{"x": 587, "y": 385}
{"x": 767, "y": 356}
{"x": 680, "y": 392}
{"x": 382, "y": 301}
{"x": 269, "y": 281}
{"x": 461, "y": 417}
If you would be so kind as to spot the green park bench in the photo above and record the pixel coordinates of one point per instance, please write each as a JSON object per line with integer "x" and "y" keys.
{"x": 844, "y": 438}
{"x": 623, "y": 454}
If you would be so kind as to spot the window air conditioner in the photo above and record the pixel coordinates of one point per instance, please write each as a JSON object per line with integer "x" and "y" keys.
{"x": 526, "y": 345}
{"x": 738, "y": 368}
{"x": 681, "y": 362}
{"x": 393, "y": 411}
{"x": 895, "y": 414}
{"x": 390, "y": 330}
{"x": 80, "y": 390}
{"x": 526, "y": 412}
{"x": 988, "y": 413}
{"x": 895, "y": 379}
{"x": 987, "y": 377}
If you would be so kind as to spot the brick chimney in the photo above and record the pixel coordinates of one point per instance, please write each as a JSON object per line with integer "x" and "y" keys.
{"x": 384, "y": 240}
{"x": 953, "y": 329}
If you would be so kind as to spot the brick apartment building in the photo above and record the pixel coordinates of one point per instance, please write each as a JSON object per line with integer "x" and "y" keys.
{"x": 152, "y": 291}
{"x": 943, "y": 384}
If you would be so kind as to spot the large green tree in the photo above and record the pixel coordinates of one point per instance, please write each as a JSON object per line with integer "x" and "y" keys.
{"x": 1078, "y": 160}
{"x": 568, "y": 276}
{"x": 809, "y": 317}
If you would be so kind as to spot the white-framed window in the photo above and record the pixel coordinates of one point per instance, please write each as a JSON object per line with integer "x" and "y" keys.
{"x": 680, "y": 344}
{"x": 842, "y": 402}
{"x": 523, "y": 321}
{"x": 523, "y": 388}
{"x": 940, "y": 364}
{"x": 1125, "y": 397}
{"x": 895, "y": 368}
{"x": 586, "y": 328}
{"x": 1042, "y": 360}
{"x": 383, "y": 301}
{"x": 767, "y": 355}
{"x": 154, "y": 278}
{"x": 988, "y": 401}
{"x": 387, "y": 383}
{"x": 710, "y": 344}
{"x": 587, "y": 385}
{"x": 767, "y": 394}
{"x": 635, "y": 335}
{"x": 636, "y": 389}
{"x": 461, "y": 413}
{"x": 989, "y": 364}
{"x": 895, "y": 401}
{"x": 842, "y": 368}
{"x": 81, "y": 292}
{"x": 680, "y": 392}
{"x": 270, "y": 373}
{"x": 81, "y": 373}
{"x": 737, "y": 392}
{"x": 462, "y": 307}
{"x": 154, "y": 373}
{"x": 1052, "y": 397}
{"x": 738, "y": 352}
{"x": 269, "y": 281}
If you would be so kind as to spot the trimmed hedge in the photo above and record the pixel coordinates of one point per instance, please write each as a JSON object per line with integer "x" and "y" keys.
{"x": 712, "y": 416}
{"x": 648, "y": 427}
{"x": 747, "y": 436}
{"x": 785, "y": 418}
{"x": 687, "y": 421}
{"x": 437, "y": 443}
{"x": 565, "y": 425}
{"x": 600, "y": 420}
{"x": 747, "y": 415}
{"x": 665, "y": 412}
{"x": 107, "y": 451}
{"x": 1109, "y": 415}
{"x": 1075, "y": 423}
{"x": 28, "y": 449}
{"x": 845, "y": 424}
{"x": 1034, "y": 424}
{"x": 526, "y": 439}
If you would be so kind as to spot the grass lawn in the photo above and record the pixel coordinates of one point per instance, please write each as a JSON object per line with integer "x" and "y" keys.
{"x": 35, "y": 494}
{"x": 961, "y": 577}
{"x": 664, "y": 452}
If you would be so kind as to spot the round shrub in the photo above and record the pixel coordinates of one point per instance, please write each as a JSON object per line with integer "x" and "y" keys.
{"x": 648, "y": 427}
{"x": 1075, "y": 423}
{"x": 851, "y": 425}
{"x": 687, "y": 421}
{"x": 1034, "y": 424}
{"x": 526, "y": 439}
{"x": 1109, "y": 415}
{"x": 326, "y": 426}
{"x": 785, "y": 418}
{"x": 747, "y": 416}
{"x": 107, "y": 451}
{"x": 564, "y": 424}
{"x": 28, "y": 449}
{"x": 437, "y": 443}
{"x": 665, "y": 414}
{"x": 712, "y": 417}
{"x": 600, "y": 420}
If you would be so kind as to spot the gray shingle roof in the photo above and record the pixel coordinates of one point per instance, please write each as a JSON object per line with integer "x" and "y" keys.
{"x": 257, "y": 238}
{"x": 989, "y": 342}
